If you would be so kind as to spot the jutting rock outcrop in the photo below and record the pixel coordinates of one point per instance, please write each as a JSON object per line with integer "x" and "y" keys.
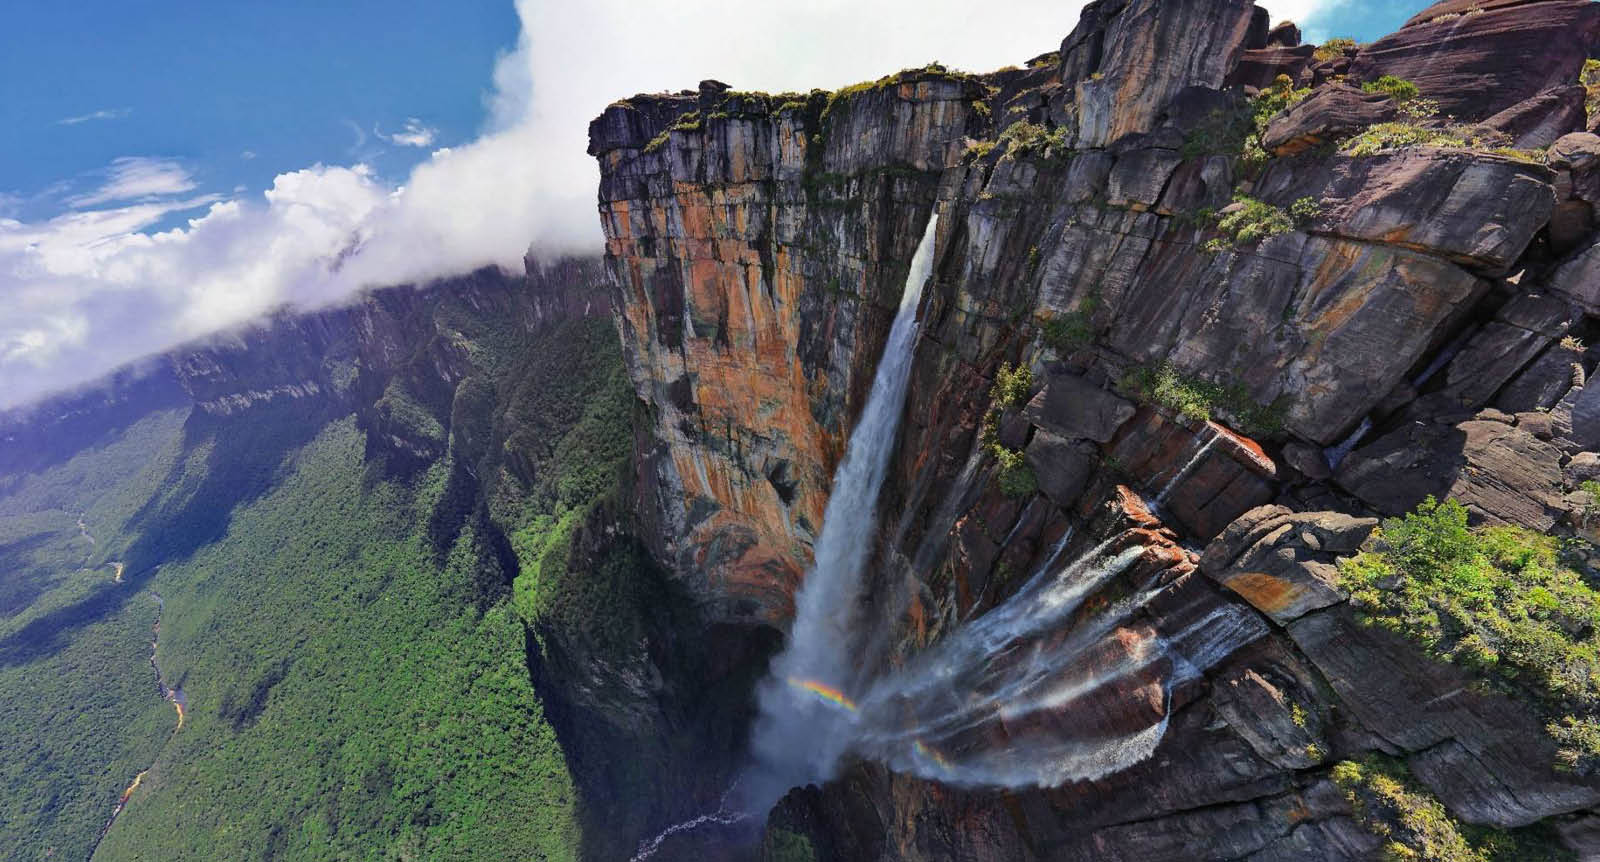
{"x": 1196, "y": 286}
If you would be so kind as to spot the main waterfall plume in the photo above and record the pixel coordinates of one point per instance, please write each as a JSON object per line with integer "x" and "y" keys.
{"x": 806, "y": 708}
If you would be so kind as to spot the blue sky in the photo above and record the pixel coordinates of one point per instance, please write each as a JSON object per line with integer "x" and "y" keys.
{"x": 171, "y": 169}
{"x": 1363, "y": 20}
{"x": 237, "y": 92}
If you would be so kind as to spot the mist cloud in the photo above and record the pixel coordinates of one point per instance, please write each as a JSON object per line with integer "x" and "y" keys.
{"x": 89, "y": 290}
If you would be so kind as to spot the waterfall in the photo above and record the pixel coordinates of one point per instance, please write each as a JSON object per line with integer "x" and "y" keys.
{"x": 806, "y": 705}
{"x": 1045, "y": 688}
{"x": 1183, "y": 472}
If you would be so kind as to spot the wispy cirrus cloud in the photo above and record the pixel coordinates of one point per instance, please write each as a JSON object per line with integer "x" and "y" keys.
{"x": 135, "y": 178}
{"x": 102, "y": 114}
{"x": 414, "y": 134}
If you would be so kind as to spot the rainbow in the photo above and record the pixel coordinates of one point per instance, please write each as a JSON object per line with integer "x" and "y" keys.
{"x": 930, "y": 754}
{"x": 824, "y": 691}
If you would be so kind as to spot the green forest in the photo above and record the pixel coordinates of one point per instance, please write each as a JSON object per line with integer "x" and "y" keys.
{"x": 350, "y": 633}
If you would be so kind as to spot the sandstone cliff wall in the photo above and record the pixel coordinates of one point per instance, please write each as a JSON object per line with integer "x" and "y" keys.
{"x": 1370, "y": 324}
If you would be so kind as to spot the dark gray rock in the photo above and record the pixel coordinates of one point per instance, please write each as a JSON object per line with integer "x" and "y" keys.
{"x": 1521, "y": 330}
{"x": 1485, "y": 756}
{"x": 1071, "y": 406}
{"x": 1578, "y": 279}
{"x": 1331, "y": 112}
{"x": 1541, "y": 385}
{"x": 1062, "y": 466}
{"x": 1502, "y": 474}
{"x": 1477, "y": 210}
{"x": 1536, "y": 123}
{"x": 1585, "y": 430}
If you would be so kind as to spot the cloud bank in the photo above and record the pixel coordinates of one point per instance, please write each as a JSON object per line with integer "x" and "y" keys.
{"x": 91, "y": 289}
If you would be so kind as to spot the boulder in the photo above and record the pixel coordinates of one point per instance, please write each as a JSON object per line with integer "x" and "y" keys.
{"x": 1331, "y": 112}
{"x": 1139, "y": 176}
{"x": 1477, "y": 209}
{"x": 1282, "y": 562}
{"x": 1541, "y": 385}
{"x": 1503, "y": 474}
{"x": 1520, "y": 331}
{"x": 1072, "y": 407}
{"x": 1285, "y": 35}
{"x": 1260, "y": 67}
{"x": 1578, "y": 156}
{"x": 1308, "y": 460}
{"x": 1062, "y": 466}
{"x": 1538, "y": 122}
{"x": 1578, "y": 279}
{"x": 1479, "y": 63}
{"x": 1585, "y": 429}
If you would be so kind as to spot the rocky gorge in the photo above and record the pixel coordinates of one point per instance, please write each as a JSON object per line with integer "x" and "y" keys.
{"x": 1200, "y": 293}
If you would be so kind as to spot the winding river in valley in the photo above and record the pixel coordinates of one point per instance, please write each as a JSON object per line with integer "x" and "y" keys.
{"x": 172, "y": 694}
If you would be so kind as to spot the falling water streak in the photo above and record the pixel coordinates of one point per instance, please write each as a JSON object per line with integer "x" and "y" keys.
{"x": 974, "y": 712}
{"x": 1335, "y": 455}
{"x": 973, "y": 650}
{"x": 1036, "y": 606}
{"x": 719, "y": 817}
{"x": 795, "y": 741}
{"x": 1183, "y": 472}
{"x": 957, "y": 688}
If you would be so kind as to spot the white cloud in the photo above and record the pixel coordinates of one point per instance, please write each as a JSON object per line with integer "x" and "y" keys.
{"x": 136, "y": 177}
{"x": 88, "y": 290}
{"x": 103, "y": 114}
{"x": 415, "y": 134}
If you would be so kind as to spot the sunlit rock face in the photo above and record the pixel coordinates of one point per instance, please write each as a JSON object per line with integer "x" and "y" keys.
{"x": 756, "y": 269}
{"x": 1401, "y": 329}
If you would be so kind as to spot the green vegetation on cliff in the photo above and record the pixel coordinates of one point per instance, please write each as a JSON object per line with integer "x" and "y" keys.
{"x": 1012, "y": 387}
{"x": 1415, "y": 827}
{"x": 1497, "y": 601}
{"x": 1164, "y": 385}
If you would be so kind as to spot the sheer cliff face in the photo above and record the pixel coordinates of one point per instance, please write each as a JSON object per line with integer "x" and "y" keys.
{"x": 757, "y": 266}
{"x": 1180, "y": 198}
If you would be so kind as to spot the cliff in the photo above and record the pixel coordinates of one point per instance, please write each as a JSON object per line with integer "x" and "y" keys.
{"x": 1277, "y": 291}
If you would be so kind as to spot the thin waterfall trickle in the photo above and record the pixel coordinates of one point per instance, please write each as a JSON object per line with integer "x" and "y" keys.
{"x": 1184, "y": 471}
